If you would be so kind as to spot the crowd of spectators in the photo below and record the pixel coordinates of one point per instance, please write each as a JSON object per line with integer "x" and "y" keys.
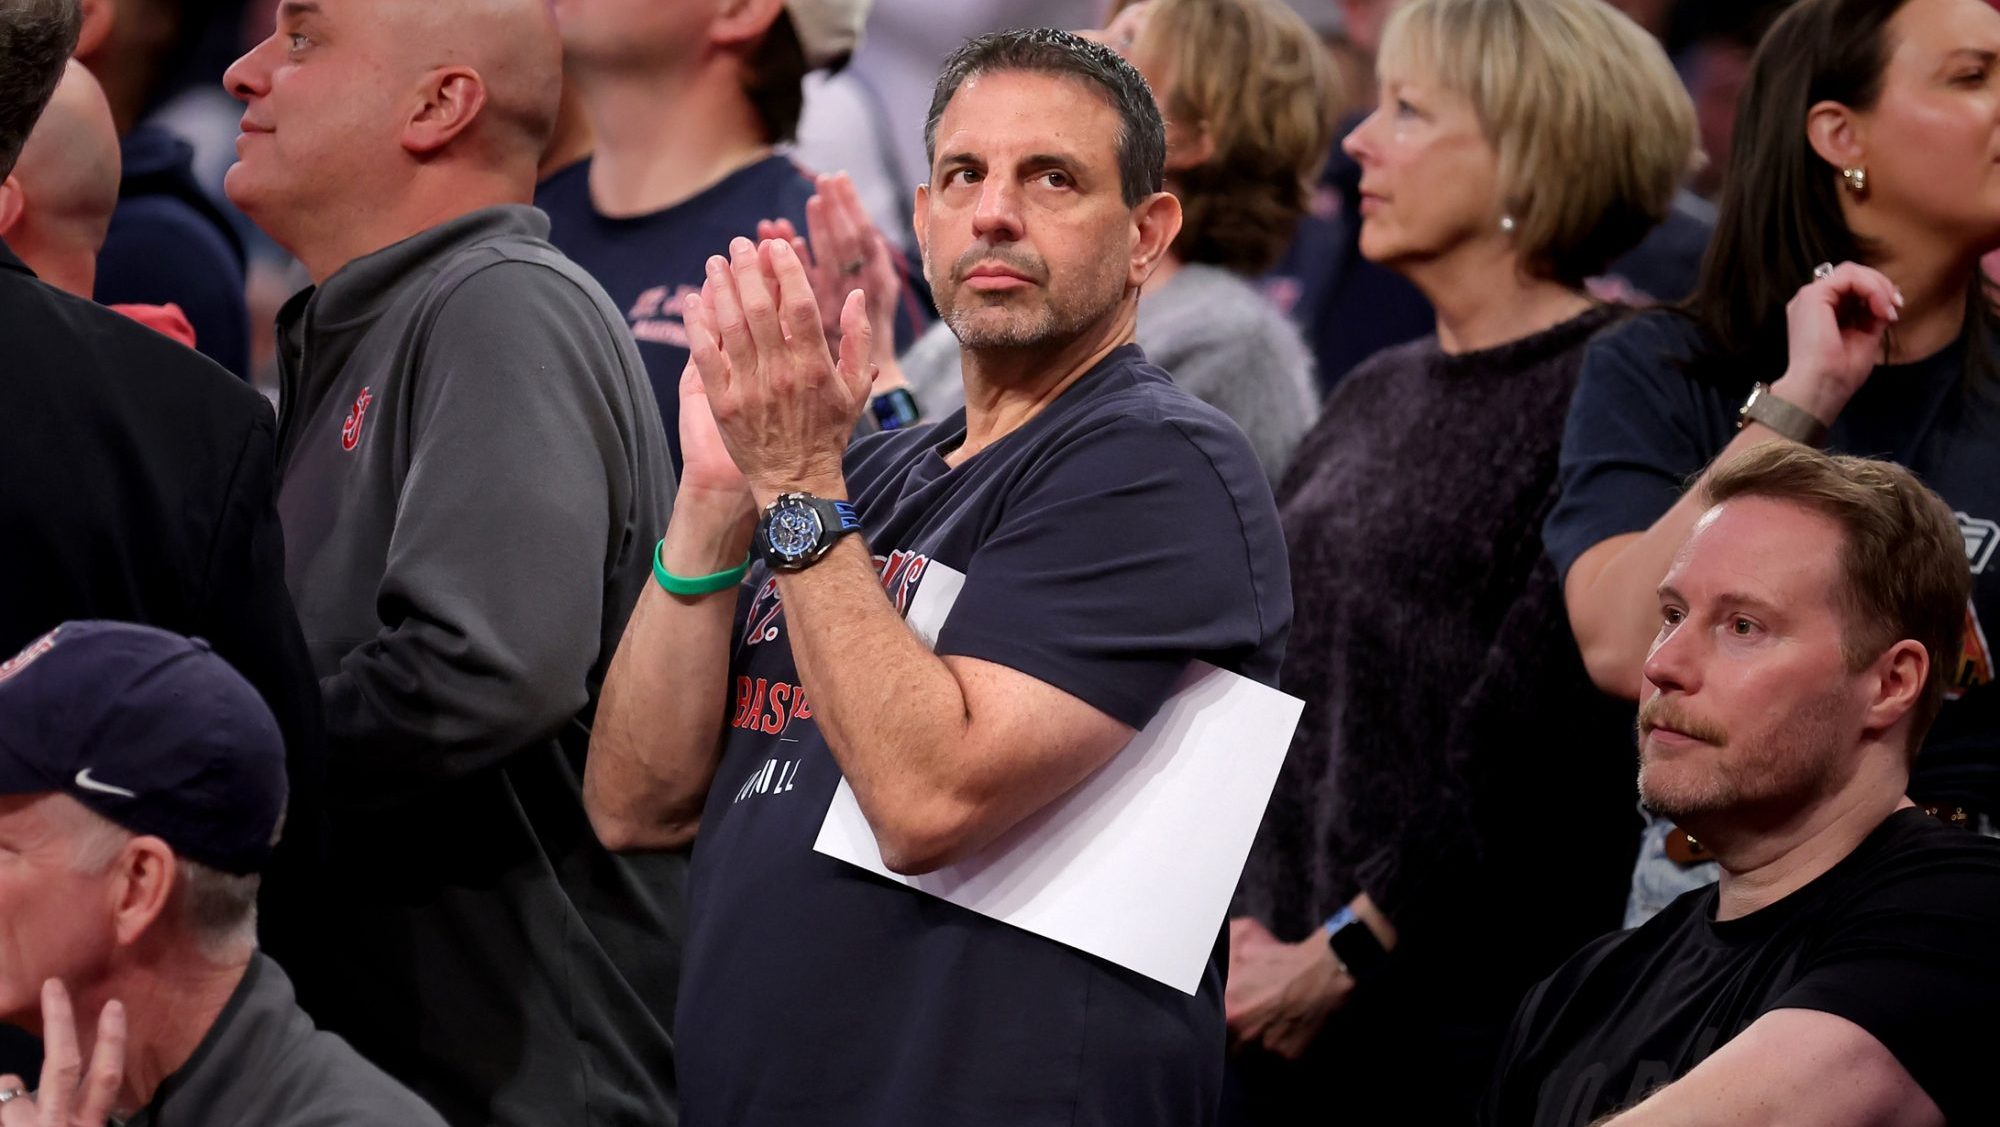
{"x": 493, "y": 479}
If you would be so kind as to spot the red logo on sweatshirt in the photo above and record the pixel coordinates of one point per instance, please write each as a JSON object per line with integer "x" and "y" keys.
{"x": 350, "y": 429}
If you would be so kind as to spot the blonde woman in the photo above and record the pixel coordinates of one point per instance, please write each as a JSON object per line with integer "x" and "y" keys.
{"x": 1250, "y": 101}
{"x": 1448, "y": 827}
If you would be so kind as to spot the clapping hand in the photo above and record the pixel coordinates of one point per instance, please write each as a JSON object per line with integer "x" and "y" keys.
{"x": 845, "y": 253}
{"x": 706, "y": 466}
{"x": 68, "y": 1096}
{"x": 784, "y": 407}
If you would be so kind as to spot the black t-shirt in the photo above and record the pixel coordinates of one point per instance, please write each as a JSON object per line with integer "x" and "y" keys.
{"x": 1899, "y": 938}
{"x": 1650, "y": 411}
{"x": 1121, "y": 533}
{"x": 650, "y": 263}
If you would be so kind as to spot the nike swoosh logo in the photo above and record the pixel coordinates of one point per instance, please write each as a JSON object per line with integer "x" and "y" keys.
{"x": 84, "y": 780}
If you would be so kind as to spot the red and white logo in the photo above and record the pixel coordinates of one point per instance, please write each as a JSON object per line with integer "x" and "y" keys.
{"x": 350, "y": 428}
{"x": 34, "y": 649}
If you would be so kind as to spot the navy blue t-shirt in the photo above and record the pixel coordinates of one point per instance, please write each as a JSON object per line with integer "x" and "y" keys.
{"x": 1649, "y": 413}
{"x": 649, "y": 263}
{"x": 169, "y": 243}
{"x": 1120, "y": 534}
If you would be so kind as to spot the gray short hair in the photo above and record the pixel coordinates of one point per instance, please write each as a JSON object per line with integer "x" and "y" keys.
{"x": 36, "y": 38}
{"x": 1142, "y": 135}
{"x": 218, "y": 910}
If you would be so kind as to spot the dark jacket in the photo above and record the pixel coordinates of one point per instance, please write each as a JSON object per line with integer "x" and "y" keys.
{"x": 262, "y": 1064}
{"x": 138, "y": 482}
{"x": 474, "y": 476}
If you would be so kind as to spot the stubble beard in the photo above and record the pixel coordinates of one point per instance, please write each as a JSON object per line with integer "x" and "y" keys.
{"x": 1057, "y": 320}
{"x": 1792, "y": 764}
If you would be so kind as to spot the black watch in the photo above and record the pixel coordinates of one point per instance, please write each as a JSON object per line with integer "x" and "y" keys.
{"x": 895, "y": 409}
{"x": 1355, "y": 945}
{"x": 798, "y": 529}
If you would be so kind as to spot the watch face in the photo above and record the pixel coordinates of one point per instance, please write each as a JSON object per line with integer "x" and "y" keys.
{"x": 793, "y": 532}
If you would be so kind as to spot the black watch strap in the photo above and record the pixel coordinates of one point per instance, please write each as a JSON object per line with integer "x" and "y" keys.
{"x": 1355, "y": 945}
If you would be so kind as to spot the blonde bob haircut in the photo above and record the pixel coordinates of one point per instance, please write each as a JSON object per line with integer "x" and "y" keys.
{"x": 1262, "y": 90}
{"x": 1593, "y": 129}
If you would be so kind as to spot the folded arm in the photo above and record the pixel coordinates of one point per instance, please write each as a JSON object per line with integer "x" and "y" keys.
{"x": 1791, "y": 1068}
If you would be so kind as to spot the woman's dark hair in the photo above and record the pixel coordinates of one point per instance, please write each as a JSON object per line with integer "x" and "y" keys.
{"x": 1780, "y": 211}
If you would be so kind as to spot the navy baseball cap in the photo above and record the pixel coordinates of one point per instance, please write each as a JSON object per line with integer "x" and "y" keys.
{"x": 151, "y": 730}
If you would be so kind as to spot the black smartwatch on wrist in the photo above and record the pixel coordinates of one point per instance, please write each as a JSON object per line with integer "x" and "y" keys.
{"x": 1355, "y": 945}
{"x": 798, "y": 529}
{"x": 895, "y": 409}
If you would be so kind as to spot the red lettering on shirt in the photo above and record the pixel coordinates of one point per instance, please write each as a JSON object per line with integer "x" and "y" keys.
{"x": 769, "y": 707}
{"x": 774, "y": 716}
{"x": 900, "y": 572}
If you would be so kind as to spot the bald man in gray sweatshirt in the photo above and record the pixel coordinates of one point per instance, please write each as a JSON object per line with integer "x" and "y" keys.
{"x": 473, "y": 475}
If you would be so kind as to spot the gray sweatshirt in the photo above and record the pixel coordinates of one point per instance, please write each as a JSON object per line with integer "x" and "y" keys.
{"x": 472, "y": 476}
{"x": 263, "y": 1063}
{"x": 1213, "y": 332}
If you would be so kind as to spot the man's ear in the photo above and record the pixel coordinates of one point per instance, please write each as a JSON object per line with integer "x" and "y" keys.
{"x": 145, "y": 872}
{"x": 13, "y": 204}
{"x": 451, "y": 98}
{"x": 1157, "y": 220}
{"x": 742, "y": 23}
{"x": 1897, "y": 685}
{"x": 1837, "y": 135}
{"x": 98, "y": 16}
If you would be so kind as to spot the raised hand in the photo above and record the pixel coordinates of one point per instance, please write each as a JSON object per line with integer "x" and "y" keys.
{"x": 845, "y": 253}
{"x": 705, "y": 462}
{"x": 69, "y": 1096}
{"x": 784, "y": 407}
{"x": 1833, "y": 329}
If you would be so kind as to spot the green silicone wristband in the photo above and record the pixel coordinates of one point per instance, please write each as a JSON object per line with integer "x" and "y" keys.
{"x": 700, "y": 585}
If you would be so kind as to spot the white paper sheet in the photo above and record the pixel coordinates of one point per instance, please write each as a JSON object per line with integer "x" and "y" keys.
{"x": 1137, "y": 864}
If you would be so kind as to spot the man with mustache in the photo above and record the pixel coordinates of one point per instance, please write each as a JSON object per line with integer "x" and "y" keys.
{"x": 1842, "y": 970}
{"x": 1082, "y": 531}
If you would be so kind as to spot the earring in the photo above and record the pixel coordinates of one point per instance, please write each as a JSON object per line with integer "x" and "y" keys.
{"x": 1506, "y": 224}
{"x": 1857, "y": 179}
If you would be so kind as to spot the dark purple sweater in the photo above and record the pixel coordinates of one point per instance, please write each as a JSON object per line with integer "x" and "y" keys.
{"x": 1454, "y": 760}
